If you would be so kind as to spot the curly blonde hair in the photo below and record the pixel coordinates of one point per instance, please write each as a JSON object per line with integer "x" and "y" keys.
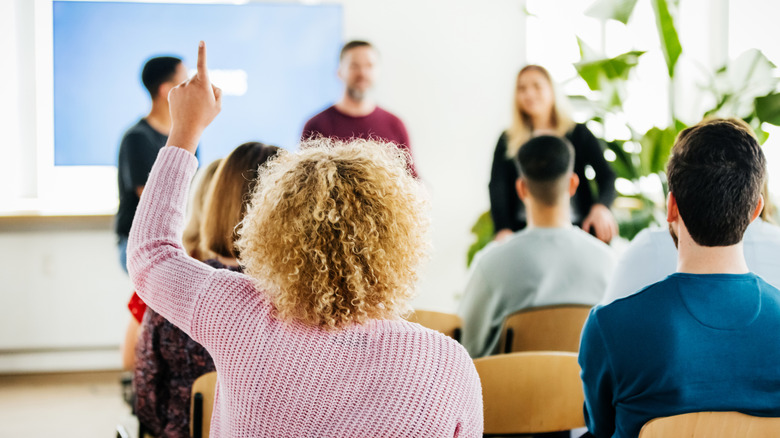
{"x": 335, "y": 233}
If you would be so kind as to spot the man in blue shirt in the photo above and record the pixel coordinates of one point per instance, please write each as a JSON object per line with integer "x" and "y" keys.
{"x": 704, "y": 338}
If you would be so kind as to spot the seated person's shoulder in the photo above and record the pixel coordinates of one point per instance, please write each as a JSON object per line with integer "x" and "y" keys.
{"x": 591, "y": 243}
{"x": 768, "y": 289}
{"x": 762, "y": 232}
{"x": 438, "y": 345}
{"x": 641, "y": 299}
{"x": 513, "y": 246}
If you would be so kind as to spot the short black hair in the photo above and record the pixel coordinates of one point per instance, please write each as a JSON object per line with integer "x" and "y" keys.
{"x": 353, "y": 45}
{"x": 158, "y": 71}
{"x": 543, "y": 163}
{"x": 716, "y": 174}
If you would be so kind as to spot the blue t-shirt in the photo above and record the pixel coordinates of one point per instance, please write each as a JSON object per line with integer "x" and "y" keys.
{"x": 692, "y": 342}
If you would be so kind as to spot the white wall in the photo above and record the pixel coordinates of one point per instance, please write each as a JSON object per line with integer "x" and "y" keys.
{"x": 448, "y": 72}
{"x": 63, "y": 293}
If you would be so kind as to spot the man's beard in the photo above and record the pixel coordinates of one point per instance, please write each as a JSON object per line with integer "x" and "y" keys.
{"x": 357, "y": 95}
{"x": 674, "y": 236}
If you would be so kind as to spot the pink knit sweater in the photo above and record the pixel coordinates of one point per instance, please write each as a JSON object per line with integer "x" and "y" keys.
{"x": 386, "y": 378}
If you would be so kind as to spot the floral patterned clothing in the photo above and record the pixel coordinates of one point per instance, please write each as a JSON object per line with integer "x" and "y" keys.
{"x": 167, "y": 363}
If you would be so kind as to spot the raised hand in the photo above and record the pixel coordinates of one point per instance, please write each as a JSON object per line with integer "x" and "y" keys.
{"x": 194, "y": 104}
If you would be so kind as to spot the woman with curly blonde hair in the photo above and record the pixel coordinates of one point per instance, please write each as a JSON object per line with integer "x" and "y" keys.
{"x": 309, "y": 340}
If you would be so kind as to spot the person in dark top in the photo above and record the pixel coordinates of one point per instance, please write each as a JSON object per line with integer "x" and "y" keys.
{"x": 704, "y": 338}
{"x": 143, "y": 140}
{"x": 357, "y": 115}
{"x": 167, "y": 360}
{"x": 538, "y": 113}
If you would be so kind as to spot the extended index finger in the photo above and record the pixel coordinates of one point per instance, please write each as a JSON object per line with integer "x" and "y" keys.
{"x": 203, "y": 72}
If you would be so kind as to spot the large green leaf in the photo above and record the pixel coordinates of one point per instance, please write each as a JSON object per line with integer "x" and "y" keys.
{"x": 739, "y": 84}
{"x": 587, "y": 53}
{"x": 656, "y": 145}
{"x": 623, "y": 165}
{"x": 590, "y": 108}
{"x": 768, "y": 108}
{"x": 483, "y": 230}
{"x": 619, "y": 10}
{"x": 597, "y": 73}
{"x": 637, "y": 221}
{"x": 670, "y": 41}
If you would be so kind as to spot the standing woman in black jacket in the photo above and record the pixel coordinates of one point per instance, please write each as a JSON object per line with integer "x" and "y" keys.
{"x": 538, "y": 112}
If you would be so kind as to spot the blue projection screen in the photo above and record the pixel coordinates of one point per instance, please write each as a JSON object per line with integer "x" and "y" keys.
{"x": 275, "y": 62}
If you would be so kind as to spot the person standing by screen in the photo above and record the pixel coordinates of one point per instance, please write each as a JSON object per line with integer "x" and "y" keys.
{"x": 357, "y": 115}
{"x": 143, "y": 140}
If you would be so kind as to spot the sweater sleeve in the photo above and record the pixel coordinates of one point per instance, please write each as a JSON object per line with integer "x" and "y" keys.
{"x": 597, "y": 379}
{"x": 594, "y": 155}
{"x": 186, "y": 292}
{"x": 503, "y": 196}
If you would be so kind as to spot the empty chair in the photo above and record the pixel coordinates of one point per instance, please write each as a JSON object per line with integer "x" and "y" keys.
{"x": 202, "y": 404}
{"x": 447, "y": 323}
{"x": 531, "y": 392}
{"x": 711, "y": 425}
{"x": 548, "y": 328}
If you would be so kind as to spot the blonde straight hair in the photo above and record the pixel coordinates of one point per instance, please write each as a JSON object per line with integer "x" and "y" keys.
{"x": 521, "y": 129}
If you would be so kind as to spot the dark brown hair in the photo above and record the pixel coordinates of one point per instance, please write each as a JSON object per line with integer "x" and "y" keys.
{"x": 158, "y": 71}
{"x": 227, "y": 199}
{"x": 716, "y": 173}
{"x": 354, "y": 44}
{"x": 544, "y": 163}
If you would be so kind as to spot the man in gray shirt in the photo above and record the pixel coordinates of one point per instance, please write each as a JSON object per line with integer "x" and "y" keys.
{"x": 549, "y": 262}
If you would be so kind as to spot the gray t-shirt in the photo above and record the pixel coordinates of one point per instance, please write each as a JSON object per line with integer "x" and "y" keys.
{"x": 535, "y": 267}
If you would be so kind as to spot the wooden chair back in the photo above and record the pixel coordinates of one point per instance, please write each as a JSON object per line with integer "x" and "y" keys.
{"x": 202, "y": 404}
{"x": 531, "y": 392}
{"x": 711, "y": 425}
{"x": 447, "y": 323}
{"x": 548, "y": 328}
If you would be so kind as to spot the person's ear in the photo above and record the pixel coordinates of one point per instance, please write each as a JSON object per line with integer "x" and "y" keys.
{"x": 759, "y": 208}
{"x": 672, "y": 213}
{"x": 164, "y": 89}
{"x": 574, "y": 182}
{"x": 522, "y": 189}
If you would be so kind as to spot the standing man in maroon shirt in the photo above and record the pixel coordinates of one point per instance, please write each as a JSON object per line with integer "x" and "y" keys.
{"x": 357, "y": 115}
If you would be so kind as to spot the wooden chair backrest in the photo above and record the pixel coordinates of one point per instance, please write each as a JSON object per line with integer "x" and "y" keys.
{"x": 711, "y": 425}
{"x": 531, "y": 392}
{"x": 202, "y": 404}
{"x": 548, "y": 328}
{"x": 447, "y": 323}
